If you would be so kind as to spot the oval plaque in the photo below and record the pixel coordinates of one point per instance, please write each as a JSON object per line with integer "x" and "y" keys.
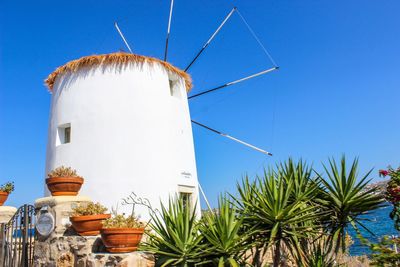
{"x": 45, "y": 224}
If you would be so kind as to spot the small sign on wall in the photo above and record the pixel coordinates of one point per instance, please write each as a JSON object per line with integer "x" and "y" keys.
{"x": 45, "y": 224}
{"x": 186, "y": 175}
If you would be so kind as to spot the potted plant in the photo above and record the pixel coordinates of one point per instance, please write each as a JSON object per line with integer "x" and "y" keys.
{"x": 64, "y": 181}
{"x": 5, "y": 190}
{"x": 87, "y": 219}
{"x": 122, "y": 234}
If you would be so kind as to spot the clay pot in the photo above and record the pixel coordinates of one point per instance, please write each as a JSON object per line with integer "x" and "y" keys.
{"x": 88, "y": 224}
{"x": 3, "y": 197}
{"x": 121, "y": 240}
{"x": 64, "y": 186}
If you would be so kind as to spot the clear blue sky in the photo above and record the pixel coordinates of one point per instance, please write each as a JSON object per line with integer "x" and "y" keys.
{"x": 337, "y": 90}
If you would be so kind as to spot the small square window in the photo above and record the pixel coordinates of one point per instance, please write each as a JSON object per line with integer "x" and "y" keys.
{"x": 171, "y": 87}
{"x": 67, "y": 134}
{"x": 174, "y": 88}
{"x": 186, "y": 199}
{"x": 63, "y": 134}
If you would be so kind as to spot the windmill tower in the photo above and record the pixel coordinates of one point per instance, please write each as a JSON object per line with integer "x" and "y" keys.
{"x": 122, "y": 120}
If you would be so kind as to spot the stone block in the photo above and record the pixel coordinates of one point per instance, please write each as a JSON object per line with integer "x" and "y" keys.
{"x": 138, "y": 259}
{"x": 6, "y": 213}
{"x": 61, "y": 208}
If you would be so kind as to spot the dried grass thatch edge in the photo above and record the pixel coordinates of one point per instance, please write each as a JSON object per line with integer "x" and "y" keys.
{"x": 117, "y": 59}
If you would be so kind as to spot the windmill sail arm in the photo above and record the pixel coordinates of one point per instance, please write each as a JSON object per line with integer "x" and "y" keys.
{"x": 168, "y": 30}
{"x": 232, "y": 138}
{"x": 211, "y": 38}
{"x": 123, "y": 37}
{"x": 248, "y": 145}
{"x": 234, "y": 82}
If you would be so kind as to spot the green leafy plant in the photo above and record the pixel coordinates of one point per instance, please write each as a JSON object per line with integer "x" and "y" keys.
{"x": 89, "y": 209}
{"x": 7, "y": 187}
{"x": 297, "y": 214}
{"x": 385, "y": 252}
{"x": 226, "y": 244}
{"x": 280, "y": 210}
{"x": 175, "y": 239}
{"x": 318, "y": 254}
{"x": 345, "y": 200}
{"x": 62, "y": 172}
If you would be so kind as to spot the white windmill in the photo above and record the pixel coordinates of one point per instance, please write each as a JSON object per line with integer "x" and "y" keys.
{"x": 122, "y": 120}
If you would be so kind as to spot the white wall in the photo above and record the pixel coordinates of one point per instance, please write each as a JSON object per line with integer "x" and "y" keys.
{"x": 127, "y": 133}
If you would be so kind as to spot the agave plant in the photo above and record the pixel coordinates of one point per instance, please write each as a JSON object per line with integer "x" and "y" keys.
{"x": 281, "y": 212}
{"x": 318, "y": 254}
{"x": 307, "y": 187}
{"x": 244, "y": 205}
{"x": 303, "y": 178}
{"x": 175, "y": 239}
{"x": 225, "y": 243}
{"x": 344, "y": 200}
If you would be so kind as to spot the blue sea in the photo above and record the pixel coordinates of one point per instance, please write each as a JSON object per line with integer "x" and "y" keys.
{"x": 380, "y": 224}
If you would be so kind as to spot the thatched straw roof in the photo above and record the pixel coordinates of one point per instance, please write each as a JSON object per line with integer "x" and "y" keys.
{"x": 116, "y": 59}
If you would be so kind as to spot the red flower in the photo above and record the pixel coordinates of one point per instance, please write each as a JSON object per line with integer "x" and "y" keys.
{"x": 383, "y": 173}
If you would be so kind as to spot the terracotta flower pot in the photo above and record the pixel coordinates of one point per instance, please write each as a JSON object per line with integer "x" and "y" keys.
{"x": 121, "y": 240}
{"x": 88, "y": 224}
{"x": 64, "y": 186}
{"x": 3, "y": 197}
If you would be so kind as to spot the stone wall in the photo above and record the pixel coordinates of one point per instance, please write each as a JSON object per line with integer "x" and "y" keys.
{"x": 63, "y": 247}
{"x": 79, "y": 251}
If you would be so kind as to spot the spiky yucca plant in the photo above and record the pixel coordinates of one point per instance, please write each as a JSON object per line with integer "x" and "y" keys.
{"x": 175, "y": 239}
{"x": 318, "y": 254}
{"x": 287, "y": 210}
{"x": 282, "y": 213}
{"x": 345, "y": 199}
{"x": 225, "y": 242}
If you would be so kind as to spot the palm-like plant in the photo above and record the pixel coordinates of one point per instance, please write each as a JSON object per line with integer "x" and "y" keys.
{"x": 302, "y": 176}
{"x": 306, "y": 186}
{"x": 344, "y": 200}
{"x": 245, "y": 204}
{"x": 318, "y": 254}
{"x": 176, "y": 240}
{"x": 226, "y": 244}
{"x": 281, "y": 215}
{"x": 287, "y": 210}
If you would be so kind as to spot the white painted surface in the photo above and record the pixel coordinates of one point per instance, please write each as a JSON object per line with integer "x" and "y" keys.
{"x": 127, "y": 133}
{"x": 51, "y": 201}
{"x": 6, "y": 213}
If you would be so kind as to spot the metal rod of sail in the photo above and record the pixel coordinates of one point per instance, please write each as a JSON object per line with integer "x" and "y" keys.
{"x": 204, "y": 196}
{"x": 211, "y": 38}
{"x": 168, "y": 30}
{"x": 234, "y": 82}
{"x": 123, "y": 37}
{"x": 232, "y": 138}
{"x": 256, "y": 38}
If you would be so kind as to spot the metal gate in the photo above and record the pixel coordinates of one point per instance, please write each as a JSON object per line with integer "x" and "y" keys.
{"x": 18, "y": 238}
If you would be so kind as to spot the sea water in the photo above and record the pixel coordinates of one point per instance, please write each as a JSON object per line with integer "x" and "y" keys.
{"x": 379, "y": 223}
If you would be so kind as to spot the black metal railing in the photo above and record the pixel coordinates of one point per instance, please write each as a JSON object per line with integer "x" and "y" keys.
{"x": 18, "y": 238}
